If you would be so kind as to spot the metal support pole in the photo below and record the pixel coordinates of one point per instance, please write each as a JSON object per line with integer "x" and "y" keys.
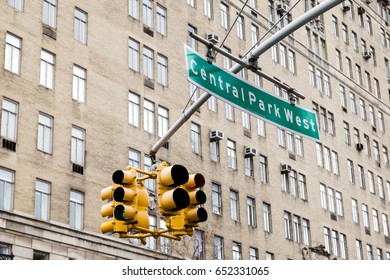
{"x": 253, "y": 56}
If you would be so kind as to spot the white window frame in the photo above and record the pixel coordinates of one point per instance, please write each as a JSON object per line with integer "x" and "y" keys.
{"x": 42, "y": 200}
{"x": 80, "y": 26}
{"x": 76, "y": 209}
{"x": 45, "y": 133}
{"x": 9, "y": 119}
{"x": 50, "y": 13}
{"x": 78, "y": 146}
{"x": 13, "y": 51}
{"x": 79, "y": 83}
{"x": 47, "y": 69}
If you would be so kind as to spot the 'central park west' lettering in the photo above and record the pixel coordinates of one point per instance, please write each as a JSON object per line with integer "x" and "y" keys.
{"x": 230, "y": 88}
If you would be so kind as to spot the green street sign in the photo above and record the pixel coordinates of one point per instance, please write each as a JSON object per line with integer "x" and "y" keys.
{"x": 248, "y": 97}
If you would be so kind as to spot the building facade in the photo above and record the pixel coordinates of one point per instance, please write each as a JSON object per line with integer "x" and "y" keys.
{"x": 88, "y": 88}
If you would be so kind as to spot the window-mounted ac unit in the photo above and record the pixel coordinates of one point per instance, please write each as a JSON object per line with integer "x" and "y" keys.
{"x": 250, "y": 152}
{"x": 368, "y": 2}
{"x": 359, "y": 146}
{"x": 282, "y": 8}
{"x": 216, "y": 135}
{"x": 367, "y": 55}
{"x": 285, "y": 168}
{"x": 361, "y": 10}
{"x": 346, "y": 7}
{"x": 213, "y": 38}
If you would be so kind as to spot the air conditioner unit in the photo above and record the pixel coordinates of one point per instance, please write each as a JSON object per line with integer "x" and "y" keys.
{"x": 368, "y": 2}
{"x": 359, "y": 146}
{"x": 361, "y": 10}
{"x": 250, "y": 152}
{"x": 213, "y": 38}
{"x": 282, "y": 8}
{"x": 216, "y": 135}
{"x": 367, "y": 55}
{"x": 346, "y": 7}
{"x": 285, "y": 168}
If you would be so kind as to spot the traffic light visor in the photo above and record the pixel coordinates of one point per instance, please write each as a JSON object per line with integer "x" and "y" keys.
{"x": 174, "y": 175}
{"x": 195, "y": 181}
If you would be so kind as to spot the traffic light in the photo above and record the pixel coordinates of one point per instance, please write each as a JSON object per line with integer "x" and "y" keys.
{"x": 192, "y": 215}
{"x": 171, "y": 197}
{"x": 128, "y": 203}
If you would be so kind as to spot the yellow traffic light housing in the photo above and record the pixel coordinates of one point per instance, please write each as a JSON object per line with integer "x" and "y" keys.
{"x": 172, "y": 198}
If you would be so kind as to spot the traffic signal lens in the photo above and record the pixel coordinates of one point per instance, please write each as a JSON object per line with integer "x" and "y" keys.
{"x": 123, "y": 194}
{"x": 175, "y": 199}
{"x": 174, "y": 175}
{"x": 123, "y": 177}
{"x": 123, "y": 212}
{"x": 197, "y": 215}
{"x": 195, "y": 181}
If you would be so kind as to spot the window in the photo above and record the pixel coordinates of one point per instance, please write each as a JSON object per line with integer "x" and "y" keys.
{"x": 232, "y": 157}
{"x": 267, "y": 217}
{"x": 212, "y": 104}
{"x": 45, "y": 133}
{"x": 240, "y": 27}
{"x": 253, "y": 253}
{"x": 13, "y": 52}
{"x": 375, "y": 220}
{"x": 234, "y": 210}
{"x": 161, "y": 20}
{"x": 208, "y": 8}
{"x": 254, "y": 34}
{"x": 218, "y": 248}
{"x": 350, "y": 170}
{"x": 287, "y": 225}
{"x": 134, "y": 8}
{"x": 42, "y": 200}
{"x": 9, "y": 120}
{"x": 149, "y": 183}
{"x": 371, "y": 183}
{"x": 283, "y": 56}
{"x": 17, "y": 4}
{"x": 162, "y": 70}
{"x": 292, "y": 62}
{"x": 147, "y": 10}
{"x": 297, "y": 228}
{"x": 214, "y": 151}
{"x": 359, "y": 250}
{"x": 246, "y": 120}
{"x": 251, "y": 211}
{"x": 216, "y": 198}
{"x": 47, "y": 69}
{"x": 306, "y": 232}
{"x": 148, "y": 62}
{"x": 236, "y": 250}
{"x": 366, "y": 221}
{"x": 263, "y": 169}
{"x": 385, "y": 224}
{"x": 133, "y": 55}
{"x": 381, "y": 122}
{"x": 6, "y": 188}
{"x": 78, "y": 146}
{"x": 335, "y": 25}
{"x": 79, "y": 83}
{"x": 148, "y": 116}
{"x": 327, "y": 239}
{"x": 224, "y": 16}
{"x": 134, "y": 158}
{"x": 195, "y": 138}
{"x": 229, "y": 112}
{"x": 76, "y": 210}
{"x": 163, "y": 121}
{"x": 360, "y": 174}
{"x": 352, "y": 102}
{"x": 50, "y": 13}
{"x": 343, "y": 98}
{"x": 134, "y": 109}
{"x": 80, "y": 26}
{"x": 261, "y": 127}
{"x": 355, "y": 211}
